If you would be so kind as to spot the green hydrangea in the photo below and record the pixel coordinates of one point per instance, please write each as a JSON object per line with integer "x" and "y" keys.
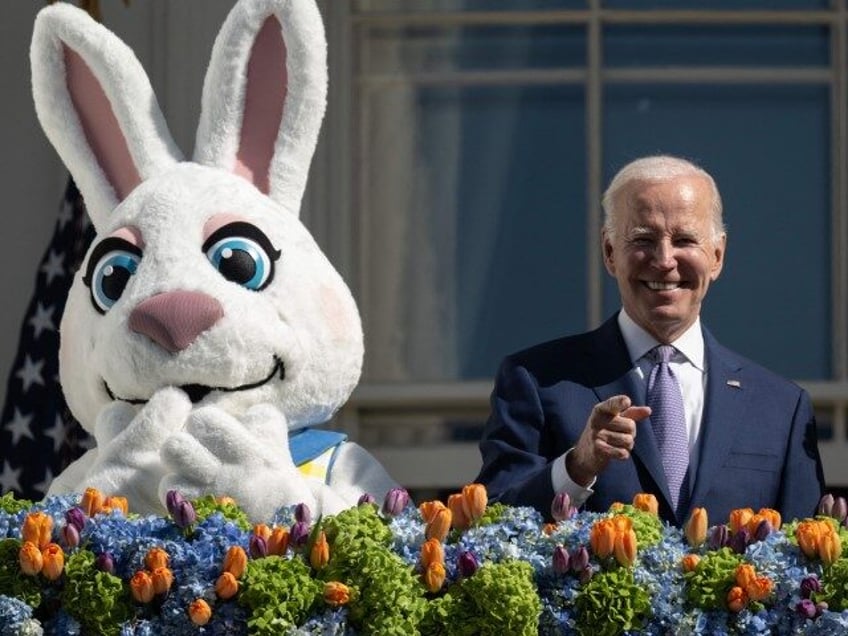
{"x": 97, "y": 599}
{"x": 207, "y": 505}
{"x": 646, "y": 525}
{"x": 355, "y": 525}
{"x": 709, "y": 582}
{"x": 280, "y": 594}
{"x": 12, "y": 581}
{"x": 612, "y": 603}
{"x": 499, "y": 599}
{"x": 493, "y": 514}
{"x": 12, "y": 506}
{"x": 835, "y": 586}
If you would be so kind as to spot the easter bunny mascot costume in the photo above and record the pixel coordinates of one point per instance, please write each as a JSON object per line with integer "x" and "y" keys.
{"x": 205, "y": 333}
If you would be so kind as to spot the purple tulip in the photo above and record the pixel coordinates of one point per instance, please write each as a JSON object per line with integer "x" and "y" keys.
{"x": 561, "y": 507}
{"x": 586, "y": 575}
{"x": 303, "y": 513}
{"x": 467, "y": 564}
{"x": 75, "y": 517}
{"x": 70, "y": 535}
{"x": 299, "y": 534}
{"x": 810, "y": 585}
{"x": 561, "y": 560}
{"x": 764, "y": 529}
{"x": 172, "y": 501}
{"x": 257, "y": 546}
{"x": 395, "y": 501}
{"x": 184, "y": 514}
{"x": 366, "y": 498}
{"x": 719, "y": 537}
{"x": 579, "y": 559}
{"x": 825, "y": 505}
{"x": 740, "y": 540}
{"x": 806, "y": 608}
{"x": 840, "y": 509}
{"x": 105, "y": 563}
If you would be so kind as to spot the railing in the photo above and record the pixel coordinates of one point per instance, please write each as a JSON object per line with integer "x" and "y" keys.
{"x": 426, "y": 434}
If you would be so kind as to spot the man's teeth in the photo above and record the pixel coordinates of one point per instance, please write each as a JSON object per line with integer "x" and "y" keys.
{"x": 657, "y": 286}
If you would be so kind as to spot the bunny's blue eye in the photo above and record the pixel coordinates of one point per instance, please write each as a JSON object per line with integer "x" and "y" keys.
{"x": 113, "y": 262}
{"x": 242, "y": 254}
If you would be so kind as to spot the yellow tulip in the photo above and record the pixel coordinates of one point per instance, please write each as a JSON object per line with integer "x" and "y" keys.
{"x": 37, "y": 528}
{"x": 156, "y": 558}
{"x": 199, "y": 612}
{"x": 696, "y": 527}
{"x": 235, "y": 561}
{"x": 434, "y": 577}
{"x": 53, "y": 561}
{"x": 141, "y": 586}
{"x": 474, "y": 501}
{"x": 739, "y": 518}
{"x": 457, "y": 508}
{"x": 439, "y": 527}
{"x": 30, "y": 558}
{"x": 336, "y": 594}
{"x": 227, "y": 586}
{"x": 647, "y": 502}
{"x": 432, "y": 552}
{"x": 319, "y": 556}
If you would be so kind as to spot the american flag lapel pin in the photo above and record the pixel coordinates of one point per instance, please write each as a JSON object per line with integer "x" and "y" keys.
{"x": 736, "y": 384}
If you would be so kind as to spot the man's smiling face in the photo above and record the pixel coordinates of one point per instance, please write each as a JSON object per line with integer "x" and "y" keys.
{"x": 663, "y": 252}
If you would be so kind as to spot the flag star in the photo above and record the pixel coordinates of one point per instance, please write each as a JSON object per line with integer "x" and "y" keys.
{"x": 54, "y": 266}
{"x": 66, "y": 213}
{"x": 42, "y": 320}
{"x": 44, "y": 485}
{"x": 9, "y": 478}
{"x": 19, "y": 426}
{"x": 30, "y": 373}
{"x": 57, "y": 432}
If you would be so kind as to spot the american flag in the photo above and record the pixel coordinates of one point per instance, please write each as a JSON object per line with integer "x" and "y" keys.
{"x": 38, "y": 435}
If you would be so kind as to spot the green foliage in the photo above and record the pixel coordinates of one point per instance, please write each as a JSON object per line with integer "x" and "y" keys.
{"x": 612, "y": 603}
{"x": 835, "y": 586}
{"x": 499, "y": 599}
{"x": 12, "y": 506}
{"x": 97, "y": 599}
{"x": 207, "y": 505}
{"x": 708, "y": 584}
{"x": 646, "y": 525}
{"x": 280, "y": 594}
{"x": 391, "y": 598}
{"x": 12, "y": 581}
{"x": 356, "y": 525}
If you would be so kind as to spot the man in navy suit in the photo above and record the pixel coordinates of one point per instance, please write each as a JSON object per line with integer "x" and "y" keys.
{"x": 569, "y": 415}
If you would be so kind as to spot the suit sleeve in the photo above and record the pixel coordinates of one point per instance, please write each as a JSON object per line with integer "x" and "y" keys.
{"x": 515, "y": 469}
{"x": 802, "y": 483}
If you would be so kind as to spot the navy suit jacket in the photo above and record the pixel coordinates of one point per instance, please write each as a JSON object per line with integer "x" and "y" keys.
{"x": 758, "y": 445}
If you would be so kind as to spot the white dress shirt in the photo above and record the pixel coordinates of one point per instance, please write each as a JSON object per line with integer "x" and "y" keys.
{"x": 688, "y": 364}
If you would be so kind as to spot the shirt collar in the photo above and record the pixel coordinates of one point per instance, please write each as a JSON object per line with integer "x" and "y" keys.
{"x": 639, "y": 342}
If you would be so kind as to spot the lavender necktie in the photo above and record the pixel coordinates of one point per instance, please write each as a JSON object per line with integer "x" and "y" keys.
{"x": 669, "y": 422}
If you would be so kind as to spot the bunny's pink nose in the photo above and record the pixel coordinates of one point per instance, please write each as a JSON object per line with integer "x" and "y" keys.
{"x": 175, "y": 319}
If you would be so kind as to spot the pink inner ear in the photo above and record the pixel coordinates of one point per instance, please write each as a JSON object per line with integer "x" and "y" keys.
{"x": 100, "y": 125}
{"x": 265, "y": 94}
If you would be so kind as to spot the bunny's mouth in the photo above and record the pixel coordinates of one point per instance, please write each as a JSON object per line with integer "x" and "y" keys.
{"x": 197, "y": 392}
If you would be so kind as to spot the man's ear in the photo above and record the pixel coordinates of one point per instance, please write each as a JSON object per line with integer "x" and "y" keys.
{"x": 608, "y": 252}
{"x": 718, "y": 253}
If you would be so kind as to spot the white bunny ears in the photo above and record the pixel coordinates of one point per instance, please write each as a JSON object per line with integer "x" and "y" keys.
{"x": 264, "y": 97}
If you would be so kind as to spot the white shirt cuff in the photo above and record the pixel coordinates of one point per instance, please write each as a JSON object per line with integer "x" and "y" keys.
{"x": 563, "y": 483}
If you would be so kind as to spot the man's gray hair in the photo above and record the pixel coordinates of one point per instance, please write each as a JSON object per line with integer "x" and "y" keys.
{"x": 659, "y": 168}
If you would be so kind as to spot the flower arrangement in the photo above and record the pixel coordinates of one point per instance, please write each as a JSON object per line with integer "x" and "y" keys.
{"x": 85, "y": 565}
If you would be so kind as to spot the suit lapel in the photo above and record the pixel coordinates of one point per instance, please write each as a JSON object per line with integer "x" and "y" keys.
{"x": 723, "y": 411}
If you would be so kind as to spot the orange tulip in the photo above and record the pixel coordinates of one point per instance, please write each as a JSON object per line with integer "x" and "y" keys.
{"x": 474, "y": 501}
{"x": 625, "y": 548}
{"x": 439, "y": 527}
{"x": 30, "y": 558}
{"x": 432, "y": 552}
{"x": 737, "y": 599}
{"x": 602, "y": 538}
{"x": 646, "y": 502}
{"x": 739, "y": 518}
{"x": 549, "y": 528}
{"x": 262, "y": 530}
{"x": 235, "y": 561}
{"x": 92, "y": 501}
{"x": 830, "y": 545}
{"x": 773, "y": 517}
{"x": 808, "y": 533}
{"x": 141, "y": 585}
{"x": 336, "y": 594}
{"x": 116, "y": 503}
{"x": 622, "y": 523}
{"x": 278, "y": 542}
{"x": 745, "y": 575}
{"x": 37, "y": 528}
{"x": 199, "y": 612}
{"x": 227, "y": 586}
{"x": 319, "y": 556}
{"x": 760, "y": 588}
{"x": 615, "y": 506}
{"x": 458, "y": 518}
{"x": 54, "y": 561}
{"x": 162, "y": 579}
{"x": 156, "y": 558}
{"x": 695, "y": 528}
{"x": 434, "y": 577}
{"x": 690, "y": 562}
{"x": 428, "y": 509}
{"x": 225, "y": 501}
